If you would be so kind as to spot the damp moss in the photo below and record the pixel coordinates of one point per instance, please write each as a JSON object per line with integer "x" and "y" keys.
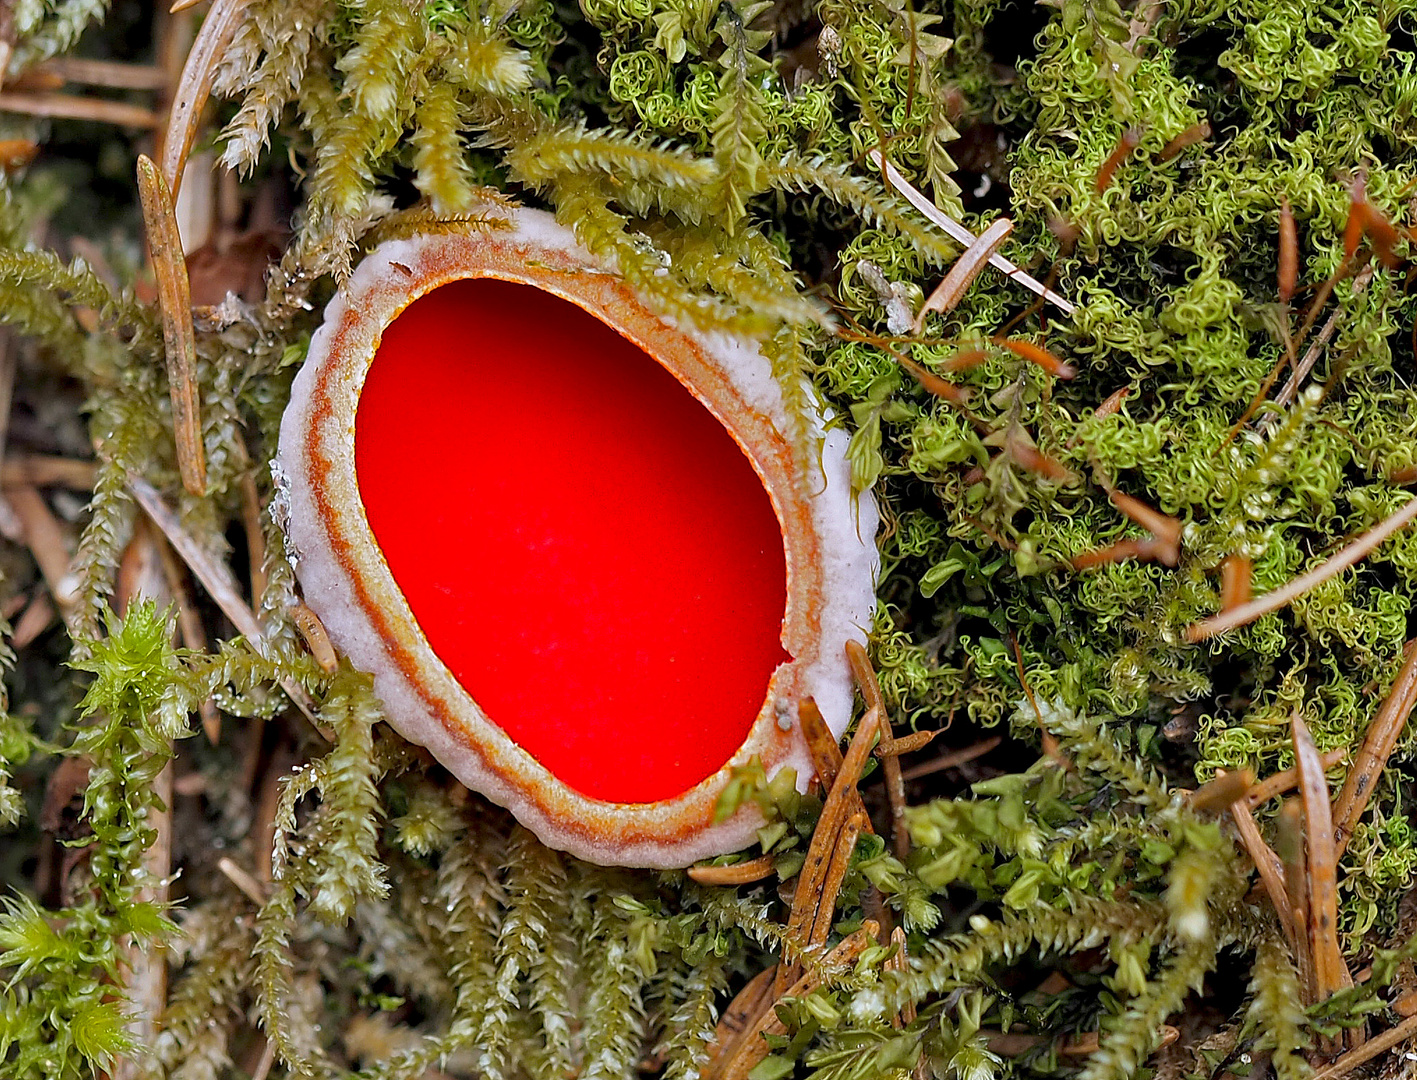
{"x": 716, "y": 153}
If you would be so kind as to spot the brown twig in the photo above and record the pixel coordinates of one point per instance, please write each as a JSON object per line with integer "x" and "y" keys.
{"x": 839, "y": 805}
{"x": 179, "y": 342}
{"x": 108, "y": 73}
{"x": 752, "y": 1048}
{"x": 74, "y": 107}
{"x": 1273, "y": 601}
{"x": 742, "y": 873}
{"x": 45, "y": 471}
{"x": 1378, "y": 744}
{"x": 1369, "y": 1050}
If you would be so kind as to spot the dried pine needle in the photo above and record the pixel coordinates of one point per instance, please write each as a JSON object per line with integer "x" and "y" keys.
{"x": 179, "y": 342}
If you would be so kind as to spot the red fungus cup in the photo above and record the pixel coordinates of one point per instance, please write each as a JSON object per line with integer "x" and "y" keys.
{"x": 575, "y": 543}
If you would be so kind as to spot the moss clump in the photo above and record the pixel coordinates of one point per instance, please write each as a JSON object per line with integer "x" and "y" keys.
{"x": 716, "y": 153}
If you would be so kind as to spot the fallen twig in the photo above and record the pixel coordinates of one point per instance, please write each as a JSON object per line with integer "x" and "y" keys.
{"x": 1286, "y": 779}
{"x": 952, "y": 760}
{"x": 74, "y": 107}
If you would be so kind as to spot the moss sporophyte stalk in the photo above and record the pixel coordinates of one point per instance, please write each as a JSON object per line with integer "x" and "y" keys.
{"x": 1182, "y": 569}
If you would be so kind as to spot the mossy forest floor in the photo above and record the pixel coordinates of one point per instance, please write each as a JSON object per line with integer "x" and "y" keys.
{"x": 219, "y": 861}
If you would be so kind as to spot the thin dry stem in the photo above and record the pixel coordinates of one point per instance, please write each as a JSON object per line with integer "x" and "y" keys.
{"x": 1369, "y": 1050}
{"x": 73, "y": 107}
{"x": 1286, "y": 779}
{"x": 952, "y": 760}
{"x": 1273, "y": 601}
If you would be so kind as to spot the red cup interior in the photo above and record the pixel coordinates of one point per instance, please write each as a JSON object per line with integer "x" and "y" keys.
{"x": 581, "y": 542}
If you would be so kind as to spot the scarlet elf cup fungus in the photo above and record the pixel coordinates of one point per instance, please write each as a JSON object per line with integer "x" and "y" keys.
{"x": 573, "y": 541}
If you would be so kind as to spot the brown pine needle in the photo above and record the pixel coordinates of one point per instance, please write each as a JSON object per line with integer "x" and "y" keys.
{"x": 1235, "y": 576}
{"x": 1283, "y": 781}
{"x": 840, "y": 804}
{"x": 1271, "y": 870}
{"x": 1273, "y": 601}
{"x": 43, "y": 470}
{"x": 821, "y": 743}
{"x": 1378, "y": 745}
{"x": 175, "y": 300}
{"x": 740, "y": 1016}
{"x": 895, "y": 786}
{"x": 1289, "y": 845}
{"x": 837, "y": 868}
{"x": 1330, "y": 971}
{"x": 1130, "y": 138}
{"x": 966, "y": 268}
{"x": 1288, "y": 253}
{"x": 1192, "y": 135}
{"x": 752, "y": 1048}
{"x": 743, "y": 873}
{"x": 941, "y": 388}
{"x": 1225, "y": 789}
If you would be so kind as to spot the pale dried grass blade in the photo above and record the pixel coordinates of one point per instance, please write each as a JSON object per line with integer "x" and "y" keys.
{"x": 956, "y": 231}
{"x": 179, "y": 342}
{"x": 1273, "y": 601}
{"x": 221, "y": 586}
{"x": 966, "y": 268}
{"x": 195, "y": 86}
{"x": 1378, "y": 745}
{"x": 1330, "y": 971}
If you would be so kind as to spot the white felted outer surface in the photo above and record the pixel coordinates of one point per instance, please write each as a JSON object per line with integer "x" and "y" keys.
{"x": 348, "y": 584}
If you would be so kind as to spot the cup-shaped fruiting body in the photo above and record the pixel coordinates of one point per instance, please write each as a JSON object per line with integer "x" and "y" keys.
{"x": 592, "y": 558}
